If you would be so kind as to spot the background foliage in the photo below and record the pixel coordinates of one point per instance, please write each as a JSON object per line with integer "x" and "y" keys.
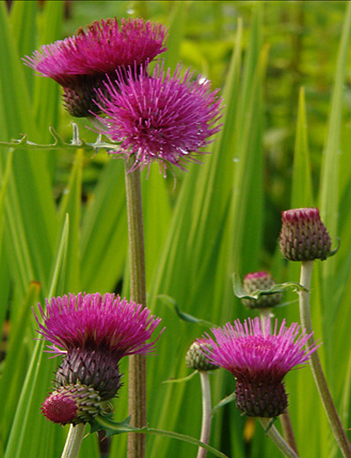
{"x": 285, "y": 73}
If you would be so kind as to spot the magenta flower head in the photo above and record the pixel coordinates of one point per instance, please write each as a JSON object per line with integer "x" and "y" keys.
{"x": 165, "y": 118}
{"x": 258, "y": 281}
{"x": 303, "y": 236}
{"x": 259, "y": 361}
{"x": 80, "y": 63}
{"x": 93, "y": 333}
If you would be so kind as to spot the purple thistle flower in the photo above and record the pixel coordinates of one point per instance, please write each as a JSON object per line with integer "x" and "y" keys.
{"x": 164, "y": 118}
{"x": 259, "y": 361}
{"x": 94, "y": 332}
{"x": 79, "y": 63}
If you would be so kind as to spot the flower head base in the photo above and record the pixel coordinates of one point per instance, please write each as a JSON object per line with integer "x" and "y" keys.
{"x": 93, "y": 368}
{"x": 94, "y": 332}
{"x": 259, "y": 361}
{"x": 164, "y": 118}
{"x": 72, "y": 404}
{"x": 80, "y": 63}
{"x": 303, "y": 236}
{"x": 196, "y": 358}
{"x": 260, "y": 281}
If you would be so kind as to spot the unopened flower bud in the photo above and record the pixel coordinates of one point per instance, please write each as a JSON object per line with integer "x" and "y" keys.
{"x": 196, "y": 358}
{"x": 303, "y": 236}
{"x": 72, "y": 404}
{"x": 259, "y": 281}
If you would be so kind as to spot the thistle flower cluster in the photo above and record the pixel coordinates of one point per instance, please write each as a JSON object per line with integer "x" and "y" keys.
{"x": 92, "y": 333}
{"x": 104, "y": 72}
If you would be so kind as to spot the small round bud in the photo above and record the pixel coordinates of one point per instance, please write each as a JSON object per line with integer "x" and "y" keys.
{"x": 303, "y": 236}
{"x": 72, "y": 404}
{"x": 196, "y": 358}
{"x": 258, "y": 281}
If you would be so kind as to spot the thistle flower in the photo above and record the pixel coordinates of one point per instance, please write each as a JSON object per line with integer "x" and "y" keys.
{"x": 303, "y": 236}
{"x": 260, "y": 281}
{"x": 259, "y": 361}
{"x": 164, "y": 118}
{"x": 79, "y": 63}
{"x": 72, "y": 404}
{"x": 94, "y": 332}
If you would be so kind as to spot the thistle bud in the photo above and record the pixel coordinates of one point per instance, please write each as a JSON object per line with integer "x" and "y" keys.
{"x": 196, "y": 358}
{"x": 303, "y": 236}
{"x": 259, "y": 281}
{"x": 72, "y": 404}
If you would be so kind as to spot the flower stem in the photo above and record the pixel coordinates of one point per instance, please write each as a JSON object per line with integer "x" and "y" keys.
{"x": 334, "y": 420}
{"x": 206, "y": 412}
{"x": 73, "y": 441}
{"x": 137, "y": 363}
{"x": 288, "y": 430}
{"x": 273, "y": 433}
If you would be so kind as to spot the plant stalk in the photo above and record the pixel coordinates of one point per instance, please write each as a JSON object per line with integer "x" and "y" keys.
{"x": 137, "y": 363}
{"x": 288, "y": 430}
{"x": 206, "y": 412}
{"x": 305, "y": 314}
{"x": 273, "y": 433}
{"x": 73, "y": 441}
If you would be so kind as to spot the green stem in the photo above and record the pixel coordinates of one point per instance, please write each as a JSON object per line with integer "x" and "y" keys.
{"x": 334, "y": 420}
{"x": 206, "y": 412}
{"x": 137, "y": 363}
{"x": 273, "y": 433}
{"x": 288, "y": 430}
{"x": 265, "y": 313}
{"x": 73, "y": 441}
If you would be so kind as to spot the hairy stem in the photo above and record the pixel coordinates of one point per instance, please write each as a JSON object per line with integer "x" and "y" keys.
{"x": 73, "y": 441}
{"x": 288, "y": 430}
{"x": 273, "y": 433}
{"x": 137, "y": 363}
{"x": 206, "y": 412}
{"x": 305, "y": 314}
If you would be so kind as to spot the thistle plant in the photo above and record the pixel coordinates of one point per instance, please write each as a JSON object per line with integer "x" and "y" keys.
{"x": 259, "y": 361}
{"x": 160, "y": 118}
{"x": 304, "y": 238}
{"x": 92, "y": 333}
{"x": 197, "y": 236}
